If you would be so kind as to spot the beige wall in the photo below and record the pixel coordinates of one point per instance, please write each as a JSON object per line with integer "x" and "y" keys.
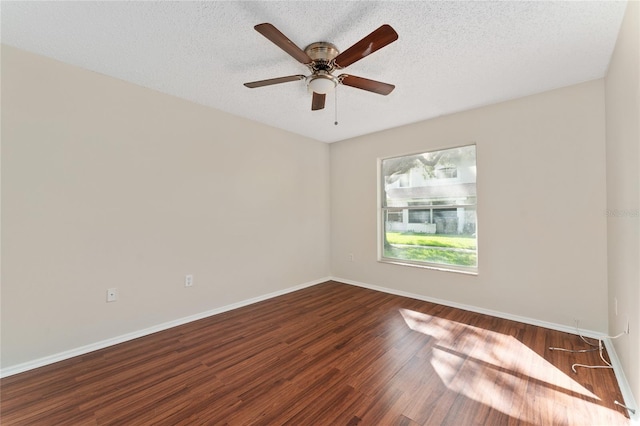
{"x": 623, "y": 193}
{"x": 541, "y": 202}
{"x": 107, "y": 184}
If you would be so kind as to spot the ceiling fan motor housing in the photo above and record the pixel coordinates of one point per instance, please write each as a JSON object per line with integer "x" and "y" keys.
{"x": 322, "y": 53}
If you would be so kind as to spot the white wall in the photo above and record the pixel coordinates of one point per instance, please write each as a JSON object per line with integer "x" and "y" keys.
{"x": 107, "y": 184}
{"x": 541, "y": 202}
{"x": 623, "y": 193}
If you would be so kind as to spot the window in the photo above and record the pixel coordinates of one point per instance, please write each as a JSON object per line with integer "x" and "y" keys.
{"x": 394, "y": 216}
{"x": 428, "y": 209}
{"x": 446, "y": 172}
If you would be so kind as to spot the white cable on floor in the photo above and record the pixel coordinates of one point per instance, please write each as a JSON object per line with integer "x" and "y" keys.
{"x": 599, "y": 347}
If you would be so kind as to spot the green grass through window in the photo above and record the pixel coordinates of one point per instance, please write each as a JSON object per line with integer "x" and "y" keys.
{"x": 432, "y": 240}
{"x": 445, "y": 249}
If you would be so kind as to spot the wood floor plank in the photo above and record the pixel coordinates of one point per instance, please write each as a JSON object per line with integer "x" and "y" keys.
{"x": 331, "y": 354}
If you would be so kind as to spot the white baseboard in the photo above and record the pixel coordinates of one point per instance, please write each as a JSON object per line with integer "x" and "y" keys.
{"x": 625, "y": 389}
{"x": 40, "y": 362}
{"x": 498, "y": 314}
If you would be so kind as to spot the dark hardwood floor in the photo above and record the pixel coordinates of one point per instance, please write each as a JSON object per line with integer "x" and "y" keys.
{"x": 332, "y": 354}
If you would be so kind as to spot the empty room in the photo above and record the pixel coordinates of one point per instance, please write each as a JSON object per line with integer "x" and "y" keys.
{"x": 320, "y": 213}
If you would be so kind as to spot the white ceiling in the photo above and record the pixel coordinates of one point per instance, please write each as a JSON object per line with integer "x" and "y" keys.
{"x": 450, "y": 56}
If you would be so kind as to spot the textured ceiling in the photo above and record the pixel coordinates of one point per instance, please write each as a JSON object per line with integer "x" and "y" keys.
{"x": 450, "y": 56}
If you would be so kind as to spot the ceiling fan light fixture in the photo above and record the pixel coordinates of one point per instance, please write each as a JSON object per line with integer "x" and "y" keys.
{"x": 322, "y": 83}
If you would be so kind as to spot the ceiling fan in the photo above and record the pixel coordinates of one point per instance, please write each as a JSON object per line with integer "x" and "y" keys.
{"x": 323, "y": 58}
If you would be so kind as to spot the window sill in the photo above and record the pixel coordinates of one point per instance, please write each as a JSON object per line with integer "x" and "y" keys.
{"x": 432, "y": 266}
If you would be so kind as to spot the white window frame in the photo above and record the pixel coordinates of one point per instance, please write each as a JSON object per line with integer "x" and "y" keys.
{"x": 382, "y": 211}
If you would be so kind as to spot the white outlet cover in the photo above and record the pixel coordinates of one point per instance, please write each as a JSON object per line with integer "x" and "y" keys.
{"x": 112, "y": 294}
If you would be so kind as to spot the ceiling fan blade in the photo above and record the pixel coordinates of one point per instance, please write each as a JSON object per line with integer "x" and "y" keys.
{"x": 365, "y": 47}
{"x": 270, "y": 81}
{"x": 318, "y": 101}
{"x": 281, "y": 40}
{"x": 366, "y": 84}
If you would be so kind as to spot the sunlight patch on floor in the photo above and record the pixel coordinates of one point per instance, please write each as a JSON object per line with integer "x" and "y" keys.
{"x": 489, "y": 367}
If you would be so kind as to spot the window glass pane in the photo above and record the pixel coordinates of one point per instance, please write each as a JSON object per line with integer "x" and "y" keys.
{"x": 428, "y": 205}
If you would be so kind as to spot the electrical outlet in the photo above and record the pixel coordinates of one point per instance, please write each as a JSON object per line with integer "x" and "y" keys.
{"x": 188, "y": 280}
{"x": 112, "y": 294}
{"x": 351, "y": 257}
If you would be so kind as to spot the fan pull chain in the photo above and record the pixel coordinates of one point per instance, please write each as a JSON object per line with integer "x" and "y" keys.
{"x": 335, "y": 96}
